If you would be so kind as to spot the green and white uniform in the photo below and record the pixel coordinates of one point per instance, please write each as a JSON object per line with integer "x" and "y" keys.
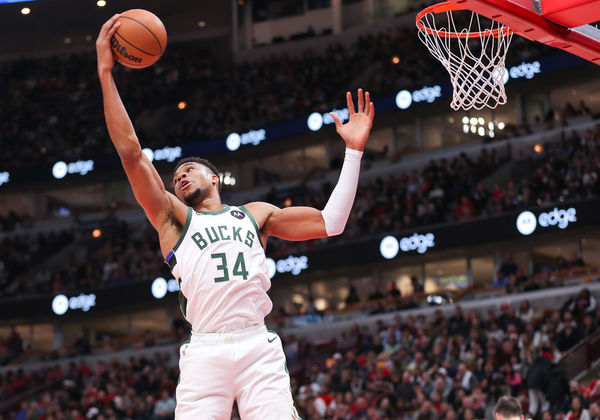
{"x": 221, "y": 268}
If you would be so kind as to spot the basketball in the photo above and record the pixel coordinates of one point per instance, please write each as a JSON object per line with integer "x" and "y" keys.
{"x": 140, "y": 40}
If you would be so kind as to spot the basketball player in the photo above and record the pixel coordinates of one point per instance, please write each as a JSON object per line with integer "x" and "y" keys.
{"x": 216, "y": 252}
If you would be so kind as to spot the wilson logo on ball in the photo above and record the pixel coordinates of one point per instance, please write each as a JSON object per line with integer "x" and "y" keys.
{"x": 121, "y": 49}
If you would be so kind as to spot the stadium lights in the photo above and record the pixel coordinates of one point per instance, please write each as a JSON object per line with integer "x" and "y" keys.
{"x": 101, "y": 3}
{"x": 226, "y": 178}
{"x": 25, "y": 10}
{"x": 478, "y": 125}
{"x": 182, "y": 105}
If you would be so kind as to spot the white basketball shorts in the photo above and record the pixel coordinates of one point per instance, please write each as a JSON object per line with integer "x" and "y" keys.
{"x": 246, "y": 365}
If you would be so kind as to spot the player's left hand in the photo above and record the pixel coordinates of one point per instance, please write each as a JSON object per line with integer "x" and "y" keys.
{"x": 356, "y": 131}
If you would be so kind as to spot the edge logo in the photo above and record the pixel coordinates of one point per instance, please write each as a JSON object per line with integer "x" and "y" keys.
{"x": 61, "y": 304}
{"x": 390, "y": 246}
{"x": 291, "y": 264}
{"x": 527, "y": 223}
{"x": 526, "y": 70}
{"x": 114, "y": 42}
{"x": 235, "y": 140}
{"x": 316, "y": 120}
{"x": 404, "y": 98}
{"x": 166, "y": 153}
{"x": 60, "y": 169}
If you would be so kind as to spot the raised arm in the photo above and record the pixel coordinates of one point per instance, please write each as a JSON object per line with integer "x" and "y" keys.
{"x": 148, "y": 188}
{"x": 301, "y": 223}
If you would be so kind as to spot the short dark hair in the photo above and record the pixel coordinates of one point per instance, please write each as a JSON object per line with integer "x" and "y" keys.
{"x": 508, "y": 407}
{"x": 201, "y": 161}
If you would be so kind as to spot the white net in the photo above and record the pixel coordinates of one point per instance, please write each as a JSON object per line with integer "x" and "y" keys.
{"x": 473, "y": 51}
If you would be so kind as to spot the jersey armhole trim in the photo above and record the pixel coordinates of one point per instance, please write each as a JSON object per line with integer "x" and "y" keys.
{"x": 185, "y": 229}
{"x": 245, "y": 210}
{"x": 215, "y": 213}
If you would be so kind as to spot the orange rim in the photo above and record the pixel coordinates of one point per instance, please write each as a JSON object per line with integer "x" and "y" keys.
{"x": 448, "y": 7}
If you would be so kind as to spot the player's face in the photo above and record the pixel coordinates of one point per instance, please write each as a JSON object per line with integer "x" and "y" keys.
{"x": 193, "y": 182}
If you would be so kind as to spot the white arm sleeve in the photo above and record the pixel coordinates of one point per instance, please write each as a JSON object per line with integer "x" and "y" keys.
{"x": 336, "y": 211}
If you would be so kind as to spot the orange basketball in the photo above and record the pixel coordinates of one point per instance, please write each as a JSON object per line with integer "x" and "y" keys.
{"x": 140, "y": 40}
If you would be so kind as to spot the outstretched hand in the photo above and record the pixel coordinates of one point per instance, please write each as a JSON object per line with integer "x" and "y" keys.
{"x": 106, "y": 60}
{"x": 356, "y": 131}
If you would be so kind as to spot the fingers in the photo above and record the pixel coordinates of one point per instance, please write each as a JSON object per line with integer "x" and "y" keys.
{"x": 109, "y": 24}
{"x": 350, "y": 103}
{"x": 361, "y": 101}
{"x": 113, "y": 30}
{"x": 371, "y": 112}
{"x": 367, "y": 107}
{"x": 338, "y": 123}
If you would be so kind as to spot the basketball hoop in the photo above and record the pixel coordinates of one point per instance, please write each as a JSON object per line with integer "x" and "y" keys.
{"x": 472, "y": 50}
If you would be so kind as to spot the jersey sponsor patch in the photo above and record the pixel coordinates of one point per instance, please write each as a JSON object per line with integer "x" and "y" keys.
{"x": 237, "y": 214}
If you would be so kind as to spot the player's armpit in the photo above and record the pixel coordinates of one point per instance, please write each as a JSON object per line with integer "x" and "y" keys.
{"x": 150, "y": 192}
{"x": 290, "y": 223}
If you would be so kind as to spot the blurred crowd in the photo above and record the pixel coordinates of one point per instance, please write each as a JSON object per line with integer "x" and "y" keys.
{"x": 438, "y": 367}
{"x": 56, "y": 108}
{"x": 445, "y": 190}
{"x": 452, "y": 367}
{"x": 139, "y": 388}
{"x": 453, "y": 189}
{"x": 123, "y": 254}
{"x": 22, "y": 260}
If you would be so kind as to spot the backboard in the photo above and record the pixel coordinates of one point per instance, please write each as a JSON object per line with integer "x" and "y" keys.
{"x": 564, "y": 24}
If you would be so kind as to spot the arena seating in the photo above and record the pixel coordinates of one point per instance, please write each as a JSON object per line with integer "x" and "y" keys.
{"x": 446, "y": 365}
{"x": 42, "y": 94}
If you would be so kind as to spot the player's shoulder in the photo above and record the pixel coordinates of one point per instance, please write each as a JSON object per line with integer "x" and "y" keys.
{"x": 260, "y": 211}
{"x": 260, "y": 206}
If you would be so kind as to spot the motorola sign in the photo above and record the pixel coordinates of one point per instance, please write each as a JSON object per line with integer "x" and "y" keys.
{"x": 404, "y": 98}
{"x": 166, "y": 153}
{"x": 291, "y": 264}
{"x": 60, "y": 169}
{"x": 61, "y": 304}
{"x": 527, "y": 222}
{"x": 316, "y": 120}
{"x": 254, "y": 137}
{"x": 390, "y": 246}
{"x": 4, "y": 177}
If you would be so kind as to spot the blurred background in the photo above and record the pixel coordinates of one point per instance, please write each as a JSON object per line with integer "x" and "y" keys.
{"x": 468, "y": 268}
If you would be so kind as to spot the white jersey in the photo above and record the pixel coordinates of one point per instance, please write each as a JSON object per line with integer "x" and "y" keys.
{"x": 221, "y": 268}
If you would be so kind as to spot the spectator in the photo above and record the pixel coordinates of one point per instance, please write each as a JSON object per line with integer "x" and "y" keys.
{"x": 577, "y": 412}
{"x": 537, "y": 378}
{"x": 164, "y": 409}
